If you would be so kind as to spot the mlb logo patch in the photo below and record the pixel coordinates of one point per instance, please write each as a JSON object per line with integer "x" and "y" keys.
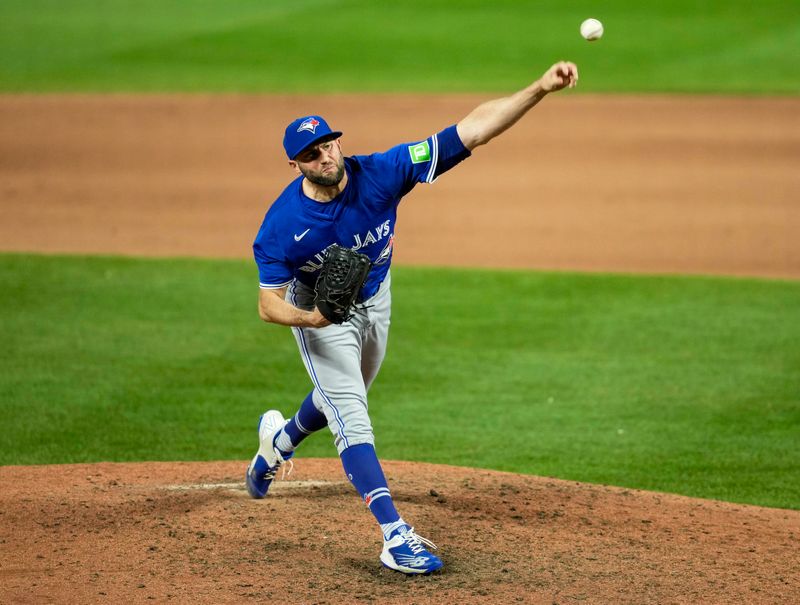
{"x": 310, "y": 125}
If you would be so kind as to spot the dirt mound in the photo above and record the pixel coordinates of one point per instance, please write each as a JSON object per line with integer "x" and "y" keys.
{"x": 188, "y": 533}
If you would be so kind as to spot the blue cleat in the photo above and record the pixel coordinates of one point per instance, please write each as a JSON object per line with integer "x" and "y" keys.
{"x": 261, "y": 470}
{"x": 405, "y": 552}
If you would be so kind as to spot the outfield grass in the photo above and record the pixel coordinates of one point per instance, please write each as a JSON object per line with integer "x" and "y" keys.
{"x": 313, "y": 46}
{"x": 682, "y": 384}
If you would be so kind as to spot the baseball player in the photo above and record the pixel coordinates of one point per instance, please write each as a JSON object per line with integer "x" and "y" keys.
{"x": 352, "y": 201}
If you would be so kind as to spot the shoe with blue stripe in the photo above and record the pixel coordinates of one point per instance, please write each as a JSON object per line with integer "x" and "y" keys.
{"x": 406, "y": 552}
{"x": 261, "y": 470}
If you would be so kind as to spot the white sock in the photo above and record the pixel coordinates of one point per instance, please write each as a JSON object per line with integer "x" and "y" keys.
{"x": 283, "y": 443}
{"x": 388, "y": 528}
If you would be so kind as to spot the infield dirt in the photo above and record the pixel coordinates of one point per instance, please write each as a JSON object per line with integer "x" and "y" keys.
{"x": 645, "y": 184}
{"x": 650, "y": 184}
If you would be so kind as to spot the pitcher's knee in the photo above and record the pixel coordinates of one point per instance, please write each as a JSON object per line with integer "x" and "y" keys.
{"x": 349, "y": 427}
{"x": 342, "y": 444}
{"x": 346, "y": 413}
{"x": 350, "y": 432}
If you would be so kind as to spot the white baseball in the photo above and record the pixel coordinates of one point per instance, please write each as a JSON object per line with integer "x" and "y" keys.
{"x": 592, "y": 29}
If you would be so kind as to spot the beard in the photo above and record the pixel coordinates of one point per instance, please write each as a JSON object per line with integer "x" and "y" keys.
{"x": 326, "y": 180}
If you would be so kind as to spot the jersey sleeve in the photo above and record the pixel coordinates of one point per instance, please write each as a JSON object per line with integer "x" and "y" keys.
{"x": 403, "y": 166}
{"x": 273, "y": 270}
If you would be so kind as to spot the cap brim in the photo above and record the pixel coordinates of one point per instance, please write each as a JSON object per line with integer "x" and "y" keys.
{"x": 328, "y": 136}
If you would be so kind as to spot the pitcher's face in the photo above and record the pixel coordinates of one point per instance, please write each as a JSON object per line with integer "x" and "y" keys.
{"x": 322, "y": 164}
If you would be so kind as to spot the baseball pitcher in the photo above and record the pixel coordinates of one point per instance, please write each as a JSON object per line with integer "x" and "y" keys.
{"x": 323, "y": 254}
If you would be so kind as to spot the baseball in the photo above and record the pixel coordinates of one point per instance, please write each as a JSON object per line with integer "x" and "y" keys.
{"x": 592, "y": 29}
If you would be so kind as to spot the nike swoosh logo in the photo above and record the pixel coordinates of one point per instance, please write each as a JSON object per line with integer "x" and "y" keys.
{"x": 297, "y": 238}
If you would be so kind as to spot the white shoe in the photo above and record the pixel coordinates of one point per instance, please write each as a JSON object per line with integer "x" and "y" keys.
{"x": 261, "y": 470}
{"x": 405, "y": 551}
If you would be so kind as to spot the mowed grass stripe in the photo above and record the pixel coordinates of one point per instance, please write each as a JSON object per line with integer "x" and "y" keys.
{"x": 314, "y": 46}
{"x": 683, "y": 384}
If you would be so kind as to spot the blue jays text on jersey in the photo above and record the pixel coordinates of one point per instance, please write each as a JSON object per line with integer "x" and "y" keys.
{"x": 297, "y": 230}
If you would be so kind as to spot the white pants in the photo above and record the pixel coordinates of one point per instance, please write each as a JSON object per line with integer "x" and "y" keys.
{"x": 343, "y": 360}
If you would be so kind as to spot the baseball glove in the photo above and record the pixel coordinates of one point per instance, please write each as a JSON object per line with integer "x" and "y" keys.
{"x": 343, "y": 274}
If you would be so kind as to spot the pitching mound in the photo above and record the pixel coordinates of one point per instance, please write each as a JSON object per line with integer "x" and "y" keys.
{"x": 188, "y": 532}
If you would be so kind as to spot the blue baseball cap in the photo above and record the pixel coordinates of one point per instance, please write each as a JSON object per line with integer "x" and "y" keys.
{"x": 304, "y": 132}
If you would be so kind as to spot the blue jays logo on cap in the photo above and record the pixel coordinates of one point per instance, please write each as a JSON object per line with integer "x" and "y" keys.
{"x": 305, "y": 132}
{"x": 309, "y": 124}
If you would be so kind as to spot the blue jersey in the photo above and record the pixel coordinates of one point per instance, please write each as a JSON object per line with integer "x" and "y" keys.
{"x": 297, "y": 230}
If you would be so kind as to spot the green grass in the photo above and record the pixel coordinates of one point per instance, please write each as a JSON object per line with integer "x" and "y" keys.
{"x": 682, "y": 384}
{"x": 313, "y": 46}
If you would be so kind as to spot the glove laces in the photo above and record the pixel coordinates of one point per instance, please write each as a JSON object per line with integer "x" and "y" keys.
{"x": 362, "y": 308}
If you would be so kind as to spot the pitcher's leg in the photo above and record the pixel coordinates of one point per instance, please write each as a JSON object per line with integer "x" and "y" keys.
{"x": 365, "y": 473}
{"x": 342, "y": 361}
{"x": 403, "y": 549}
{"x": 308, "y": 419}
{"x": 332, "y": 357}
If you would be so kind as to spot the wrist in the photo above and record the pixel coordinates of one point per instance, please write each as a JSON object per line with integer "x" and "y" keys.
{"x": 534, "y": 93}
{"x": 538, "y": 89}
{"x": 314, "y": 319}
{"x": 307, "y": 319}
